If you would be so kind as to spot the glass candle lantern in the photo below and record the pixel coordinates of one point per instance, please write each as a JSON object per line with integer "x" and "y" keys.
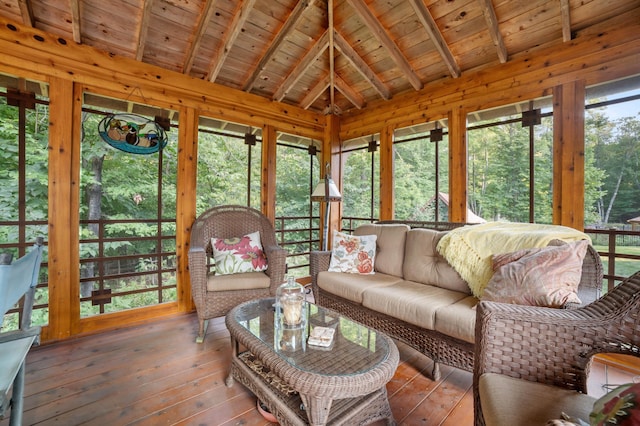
{"x": 290, "y": 303}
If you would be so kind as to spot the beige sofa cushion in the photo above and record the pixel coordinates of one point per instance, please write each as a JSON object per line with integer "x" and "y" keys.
{"x": 411, "y": 302}
{"x": 423, "y": 263}
{"x": 458, "y": 320}
{"x": 509, "y": 401}
{"x": 242, "y": 281}
{"x": 390, "y": 246}
{"x": 352, "y": 286}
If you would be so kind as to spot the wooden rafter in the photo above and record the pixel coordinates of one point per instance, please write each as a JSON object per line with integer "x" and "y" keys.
{"x": 75, "y": 20}
{"x": 234, "y": 28}
{"x": 354, "y": 97}
{"x": 492, "y": 23}
{"x": 435, "y": 35}
{"x": 565, "y": 11}
{"x": 144, "y": 29}
{"x": 361, "y": 66}
{"x": 381, "y": 34}
{"x": 26, "y": 12}
{"x": 205, "y": 17}
{"x": 316, "y": 91}
{"x": 302, "y": 66}
{"x": 274, "y": 46}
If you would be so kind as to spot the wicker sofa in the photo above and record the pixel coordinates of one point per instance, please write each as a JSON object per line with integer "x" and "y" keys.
{"x": 414, "y": 295}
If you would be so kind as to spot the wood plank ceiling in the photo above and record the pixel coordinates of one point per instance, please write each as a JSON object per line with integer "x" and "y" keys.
{"x": 328, "y": 56}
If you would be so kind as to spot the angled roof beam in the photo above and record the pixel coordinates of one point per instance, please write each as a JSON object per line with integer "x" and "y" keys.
{"x": 284, "y": 31}
{"x": 316, "y": 91}
{"x": 565, "y": 10}
{"x": 205, "y": 17}
{"x": 361, "y": 66}
{"x": 435, "y": 35}
{"x": 384, "y": 38}
{"x": 144, "y": 29}
{"x": 302, "y": 66}
{"x": 492, "y": 23}
{"x": 75, "y": 20}
{"x": 231, "y": 33}
{"x": 354, "y": 97}
{"x": 26, "y": 12}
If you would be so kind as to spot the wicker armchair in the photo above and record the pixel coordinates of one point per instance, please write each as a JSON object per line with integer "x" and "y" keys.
{"x": 517, "y": 346}
{"x": 229, "y": 222}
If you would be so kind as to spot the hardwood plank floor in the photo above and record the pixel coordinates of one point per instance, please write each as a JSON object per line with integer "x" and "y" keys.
{"x": 156, "y": 374}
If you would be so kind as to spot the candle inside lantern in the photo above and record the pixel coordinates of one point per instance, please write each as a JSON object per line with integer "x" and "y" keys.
{"x": 292, "y": 309}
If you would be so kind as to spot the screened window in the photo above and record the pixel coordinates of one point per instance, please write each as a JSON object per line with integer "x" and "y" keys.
{"x": 24, "y": 127}
{"x": 127, "y": 212}
{"x": 297, "y": 217}
{"x": 421, "y": 172}
{"x": 510, "y": 162}
{"x": 361, "y": 182}
{"x": 229, "y": 162}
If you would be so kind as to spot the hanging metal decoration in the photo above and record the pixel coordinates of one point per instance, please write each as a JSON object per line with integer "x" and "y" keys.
{"x": 132, "y": 133}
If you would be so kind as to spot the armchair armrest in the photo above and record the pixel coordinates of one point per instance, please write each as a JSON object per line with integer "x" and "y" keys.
{"x": 555, "y": 346}
{"x": 277, "y": 265}
{"x": 318, "y": 262}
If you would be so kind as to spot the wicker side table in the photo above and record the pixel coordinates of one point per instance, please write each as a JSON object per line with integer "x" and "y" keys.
{"x": 343, "y": 385}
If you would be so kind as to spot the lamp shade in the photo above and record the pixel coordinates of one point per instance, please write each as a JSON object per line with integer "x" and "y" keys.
{"x": 326, "y": 190}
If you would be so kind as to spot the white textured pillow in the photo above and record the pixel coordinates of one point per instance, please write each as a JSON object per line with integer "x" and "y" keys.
{"x": 239, "y": 254}
{"x": 353, "y": 254}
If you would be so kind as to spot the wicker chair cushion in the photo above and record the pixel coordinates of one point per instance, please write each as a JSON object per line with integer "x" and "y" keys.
{"x": 546, "y": 276}
{"x": 411, "y": 302}
{"x": 390, "y": 246}
{"x": 423, "y": 263}
{"x": 352, "y": 286}
{"x": 239, "y": 254}
{"x": 458, "y": 320}
{"x": 510, "y": 401}
{"x": 241, "y": 281}
{"x": 353, "y": 254}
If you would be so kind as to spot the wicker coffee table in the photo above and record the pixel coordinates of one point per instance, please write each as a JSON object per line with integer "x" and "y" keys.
{"x": 343, "y": 384}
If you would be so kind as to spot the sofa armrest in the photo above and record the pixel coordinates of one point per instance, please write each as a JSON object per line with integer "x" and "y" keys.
{"x": 318, "y": 262}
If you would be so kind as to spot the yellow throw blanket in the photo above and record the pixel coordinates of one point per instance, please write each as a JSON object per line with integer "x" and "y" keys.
{"x": 469, "y": 249}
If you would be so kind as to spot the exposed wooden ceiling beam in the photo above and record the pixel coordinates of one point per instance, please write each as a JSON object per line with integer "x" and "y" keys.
{"x": 387, "y": 42}
{"x": 231, "y": 33}
{"x": 26, "y": 12}
{"x": 75, "y": 20}
{"x": 316, "y": 91}
{"x": 144, "y": 29}
{"x": 435, "y": 35}
{"x": 275, "y": 44}
{"x": 565, "y": 11}
{"x": 492, "y": 22}
{"x": 354, "y": 97}
{"x": 302, "y": 66}
{"x": 361, "y": 66}
{"x": 205, "y": 17}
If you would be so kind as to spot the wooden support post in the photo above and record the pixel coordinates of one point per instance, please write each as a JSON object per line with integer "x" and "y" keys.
{"x": 568, "y": 154}
{"x": 268, "y": 193}
{"x": 186, "y": 201}
{"x": 387, "y": 189}
{"x": 457, "y": 164}
{"x": 331, "y": 154}
{"x": 64, "y": 175}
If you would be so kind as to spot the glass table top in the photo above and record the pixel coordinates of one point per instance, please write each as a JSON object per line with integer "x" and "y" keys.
{"x": 355, "y": 348}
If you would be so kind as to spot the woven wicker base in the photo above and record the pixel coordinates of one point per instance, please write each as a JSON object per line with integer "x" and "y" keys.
{"x": 286, "y": 405}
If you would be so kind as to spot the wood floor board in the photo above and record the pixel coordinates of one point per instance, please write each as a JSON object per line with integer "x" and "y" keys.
{"x": 155, "y": 373}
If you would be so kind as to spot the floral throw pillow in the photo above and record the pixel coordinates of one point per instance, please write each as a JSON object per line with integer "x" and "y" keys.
{"x": 240, "y": 254}
{"x": 353, "y": 254}
{"x": 546, "y": 276}
{"x": 619, "y": 407}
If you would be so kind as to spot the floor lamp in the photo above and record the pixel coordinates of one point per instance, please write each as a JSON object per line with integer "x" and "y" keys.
{"x": 326, "y": 191}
